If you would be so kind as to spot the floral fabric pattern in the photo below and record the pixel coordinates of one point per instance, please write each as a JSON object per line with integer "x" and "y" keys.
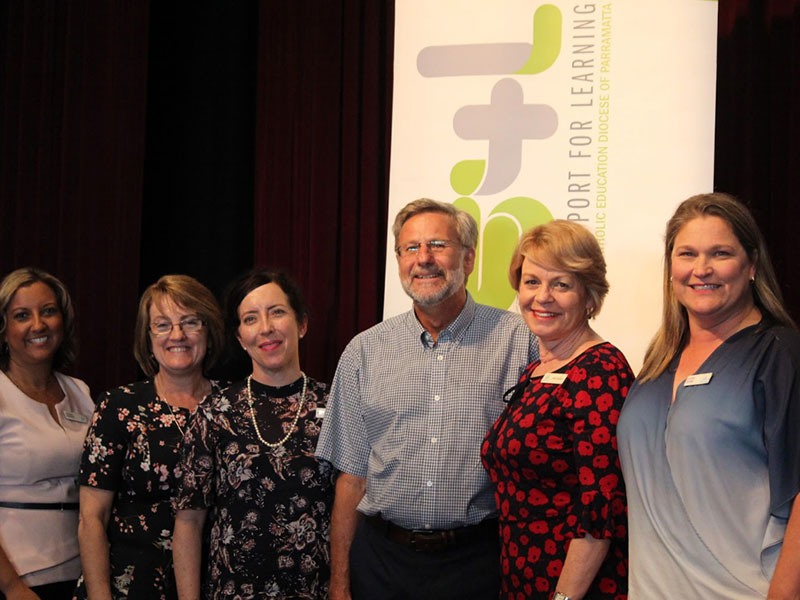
{"x": 132, "y": 449}
{"x": 270, "y": 507}
{"x": 552, "y": 457}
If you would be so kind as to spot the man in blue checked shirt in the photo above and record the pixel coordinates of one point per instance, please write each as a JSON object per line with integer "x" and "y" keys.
{"x": 413, "y": 397}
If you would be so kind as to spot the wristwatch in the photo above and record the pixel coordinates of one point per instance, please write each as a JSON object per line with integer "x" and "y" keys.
{"x": 560, "y": 596}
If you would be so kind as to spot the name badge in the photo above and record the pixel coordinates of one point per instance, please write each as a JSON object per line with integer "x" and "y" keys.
{"x": 320, "y": 413}
{"x": 556, "y": 378}
{"x": 698, "y": 379}
{"x": 75, "y": 417}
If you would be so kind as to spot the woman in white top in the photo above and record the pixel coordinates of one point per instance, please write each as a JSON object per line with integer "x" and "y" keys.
{"x": 43, "y": 420}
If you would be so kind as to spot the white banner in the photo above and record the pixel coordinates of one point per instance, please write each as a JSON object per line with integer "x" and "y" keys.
{"x": 521, "y": 112}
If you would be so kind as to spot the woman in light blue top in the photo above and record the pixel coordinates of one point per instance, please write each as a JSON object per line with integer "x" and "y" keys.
{"x": 708, "y": 436}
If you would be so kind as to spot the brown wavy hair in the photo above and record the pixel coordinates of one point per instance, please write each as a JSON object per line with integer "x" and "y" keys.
{"x": 673, "y": 333}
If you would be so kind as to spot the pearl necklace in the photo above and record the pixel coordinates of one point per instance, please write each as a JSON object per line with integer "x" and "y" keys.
{"x": 296, "y": 417}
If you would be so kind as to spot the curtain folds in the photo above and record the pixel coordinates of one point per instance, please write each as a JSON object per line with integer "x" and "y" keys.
{"x": 72, "y": 113}
{"x": 73, "y": 106}
{"x": 757, "y": 149}
{"x": 322, "y": 161}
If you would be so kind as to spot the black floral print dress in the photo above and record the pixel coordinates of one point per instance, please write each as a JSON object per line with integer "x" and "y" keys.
{"x": 133, "y": 449}
{"x": 270, "y": 507}
{"x": 552, "y": 457}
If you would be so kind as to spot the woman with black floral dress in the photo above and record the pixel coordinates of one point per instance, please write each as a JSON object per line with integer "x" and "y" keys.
{"x": 248, "y": 463}
{"x": 552, "y": 454}
{"x": 130, "y": 458}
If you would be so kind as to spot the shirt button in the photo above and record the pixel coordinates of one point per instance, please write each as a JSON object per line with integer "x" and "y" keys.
{"x": 440, "y": 357}
{"x": 437, "y": 397}
{"x": 429, "y": 484}
{"x": 434, "y": 440}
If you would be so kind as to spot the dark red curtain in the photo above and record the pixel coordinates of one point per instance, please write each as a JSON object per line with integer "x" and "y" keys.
{"x": 758, "y": 124}
{"x": 71, "y": 149}
{"x": 73, "y": 80}
{"x": 322, "y": 161}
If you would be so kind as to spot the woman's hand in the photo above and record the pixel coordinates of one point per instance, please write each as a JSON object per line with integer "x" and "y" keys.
{"x": 10, "y": 583}
{"x": 786, "y": 579}
{"x": 21, "y": 592}
{"x": 584, "y": 557}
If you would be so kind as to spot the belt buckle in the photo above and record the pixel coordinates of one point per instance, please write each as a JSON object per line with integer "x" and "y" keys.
{"x": 429, "y": 541}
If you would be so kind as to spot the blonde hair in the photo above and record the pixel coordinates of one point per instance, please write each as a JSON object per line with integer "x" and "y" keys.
{"x": 569, "y": 247}
{"x": 672, "y": 335}
{"x": 187, "y": 293}
{"x": 68, "y": 349}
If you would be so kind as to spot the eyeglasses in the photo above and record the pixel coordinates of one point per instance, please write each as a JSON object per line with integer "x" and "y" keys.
{"x": 433, "y": 246}
{"x": 187, "y": 325}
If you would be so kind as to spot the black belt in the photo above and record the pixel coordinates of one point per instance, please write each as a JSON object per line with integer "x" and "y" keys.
{"x": 435, "y": 540}
{"x": 40, "y": 505}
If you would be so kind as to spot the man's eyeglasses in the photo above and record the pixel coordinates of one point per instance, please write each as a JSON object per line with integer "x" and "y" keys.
{"x": 187, "y": 325}
{"x": 433, "y": 246}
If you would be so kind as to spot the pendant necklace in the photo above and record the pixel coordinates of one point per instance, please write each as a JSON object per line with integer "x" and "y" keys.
{"x": 164, "y": 399}
{"x": 174, "y": 420}
{"x": 296, "y": 416}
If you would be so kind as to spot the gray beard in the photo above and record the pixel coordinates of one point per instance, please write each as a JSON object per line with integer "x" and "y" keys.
{"x": 454, "y": 285}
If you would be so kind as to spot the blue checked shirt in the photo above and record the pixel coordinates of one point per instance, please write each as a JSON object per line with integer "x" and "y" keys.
{"x": 409, "y": 415}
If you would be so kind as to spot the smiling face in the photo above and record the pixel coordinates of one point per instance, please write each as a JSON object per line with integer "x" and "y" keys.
{"x": 553, "y": 303}
{"x": 178, "y": 352}
{"x": 34, "y": 326}
{"x": 711, "y": 272}
{"x": 270, "y": 333}
{"x": 430, "y": 278}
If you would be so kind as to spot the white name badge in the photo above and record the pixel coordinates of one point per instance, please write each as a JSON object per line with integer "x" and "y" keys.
{"x": 698, "y": 379}
{"x": 555, "y": 378}
{"x": 320, "y": 413}
{"x": 75, "y": 417}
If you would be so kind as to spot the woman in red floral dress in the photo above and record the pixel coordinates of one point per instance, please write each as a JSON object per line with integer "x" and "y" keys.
{"x": 552, "y": 454}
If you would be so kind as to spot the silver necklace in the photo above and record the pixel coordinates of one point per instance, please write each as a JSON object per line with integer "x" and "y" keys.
{"x": 296, "y": 416}
{"x": 174, "y": 419}
{"x": 166, "y": 401}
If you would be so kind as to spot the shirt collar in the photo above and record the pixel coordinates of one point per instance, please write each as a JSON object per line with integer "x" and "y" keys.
{"x": 454, "y": 331}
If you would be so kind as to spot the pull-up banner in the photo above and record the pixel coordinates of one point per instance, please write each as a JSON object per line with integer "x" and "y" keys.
{"x": 521, "y": 112}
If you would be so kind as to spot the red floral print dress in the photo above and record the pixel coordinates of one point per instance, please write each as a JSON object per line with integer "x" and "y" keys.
{"x": 552, "y": 457}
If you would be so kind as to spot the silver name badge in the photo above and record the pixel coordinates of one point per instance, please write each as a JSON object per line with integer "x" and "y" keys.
{"x": 555, "y": 378}
{"x": 75, "y": 417}
{"x": 698, "y": 379}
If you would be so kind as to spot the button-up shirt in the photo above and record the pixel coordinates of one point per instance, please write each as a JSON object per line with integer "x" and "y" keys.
{"x": 409, "y": 413}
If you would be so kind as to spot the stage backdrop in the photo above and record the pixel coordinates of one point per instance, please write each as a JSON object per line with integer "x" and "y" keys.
{"x": 520, "y": 112}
